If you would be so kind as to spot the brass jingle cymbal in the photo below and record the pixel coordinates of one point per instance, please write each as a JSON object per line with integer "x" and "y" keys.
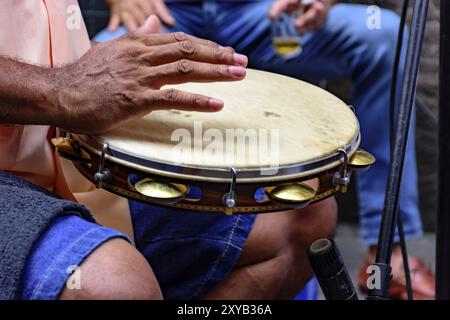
{"x": 294, "y": 195}
{"x": 161, "y": 192}
{"x": 361, "y": 160}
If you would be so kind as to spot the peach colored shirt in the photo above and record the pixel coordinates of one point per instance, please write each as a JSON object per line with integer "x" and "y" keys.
{"x": 47, "y": 33}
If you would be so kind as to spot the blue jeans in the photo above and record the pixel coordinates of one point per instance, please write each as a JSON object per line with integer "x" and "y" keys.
{"x": 190, "y": 252}
{"x": 343, "y": 48}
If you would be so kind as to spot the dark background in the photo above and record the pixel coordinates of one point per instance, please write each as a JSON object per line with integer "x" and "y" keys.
{"x": 96, "y": 15}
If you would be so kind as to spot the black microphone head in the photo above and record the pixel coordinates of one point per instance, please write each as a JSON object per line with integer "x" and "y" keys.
{"x": 324, "y": 257}
{"x": 328, "y": 265}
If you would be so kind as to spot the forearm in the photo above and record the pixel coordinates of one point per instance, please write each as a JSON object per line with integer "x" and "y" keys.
{"x": 27, "y": 93}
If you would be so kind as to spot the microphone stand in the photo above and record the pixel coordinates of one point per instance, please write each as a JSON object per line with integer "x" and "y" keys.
{"x": 391, "y": 203}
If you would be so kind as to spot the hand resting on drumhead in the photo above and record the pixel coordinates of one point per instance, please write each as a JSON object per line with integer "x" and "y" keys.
{"x": 117, "y": 81}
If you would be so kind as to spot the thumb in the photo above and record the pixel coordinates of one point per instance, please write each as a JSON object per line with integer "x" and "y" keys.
{"x": 151, "y": 25}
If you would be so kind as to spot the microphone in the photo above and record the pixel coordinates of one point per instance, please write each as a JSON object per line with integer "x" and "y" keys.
{"x": 328, "y": 265}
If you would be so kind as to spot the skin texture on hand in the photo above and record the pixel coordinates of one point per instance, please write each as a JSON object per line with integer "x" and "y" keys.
{"x": 117, "y": 81}
{"x": 312, "y": 17}
{"x": 132, "y": 13}
{"x": 26, "y": 93}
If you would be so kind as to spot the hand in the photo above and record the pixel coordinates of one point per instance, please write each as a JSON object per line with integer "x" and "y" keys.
{"x": 120, "y": 80}
{"x": 132, "y": 13}
{"x": 313, "y": 17}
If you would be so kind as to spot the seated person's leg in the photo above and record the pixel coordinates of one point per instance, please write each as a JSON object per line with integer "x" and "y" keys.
{"x": 273, "y": 263}
{"x": 105, "y": 265}
{"x": 193, "y": 253}
{"x": 190, "y": 252}
{"x": 344, "y": 48}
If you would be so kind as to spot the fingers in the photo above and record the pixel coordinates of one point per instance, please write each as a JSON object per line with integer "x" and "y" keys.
{"x": 146, "y": 7}
{"x": 167, "y": 38}
{"x": 281, "y": 6}
{"x": 312, "y": 19}
{"x": 114, "y": 22}
{"x": 133, "y": 18}
{"x": 129, "y": 22}
{"x": 176, "y": 99}
{"x": 139, "y": 15}
{"x": 163, "y": 12}
{"x": 151, "y": 25}
{"x": 191, "y": 71}
{"x": 194, "y": 51}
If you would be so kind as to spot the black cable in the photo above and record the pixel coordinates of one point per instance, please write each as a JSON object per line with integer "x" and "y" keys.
{"x": 398, "y": 53}
{"x": 401, "y": 235}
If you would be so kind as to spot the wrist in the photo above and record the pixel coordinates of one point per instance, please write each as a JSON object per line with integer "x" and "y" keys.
{"x": 61, "y": 95}
{"x": 28, "y": 94}
{"x": 53, "y": 107}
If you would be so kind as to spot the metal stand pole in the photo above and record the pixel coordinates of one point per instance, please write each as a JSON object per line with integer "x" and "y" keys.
{"x": 443, "y": 215}
{"x": 390, "y": 210}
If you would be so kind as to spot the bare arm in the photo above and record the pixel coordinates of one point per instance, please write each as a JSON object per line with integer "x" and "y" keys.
{"x": 117, "y": 81}
{"x": 27, "y": 93}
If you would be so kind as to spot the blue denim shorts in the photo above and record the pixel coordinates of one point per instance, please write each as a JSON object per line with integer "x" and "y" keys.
{"x": 63, "y": 246}
{"x": 190, "y": 252}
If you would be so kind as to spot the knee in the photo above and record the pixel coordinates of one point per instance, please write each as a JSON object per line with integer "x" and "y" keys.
{"x": 314, "y": 222}
{"x": 115, "y": 270}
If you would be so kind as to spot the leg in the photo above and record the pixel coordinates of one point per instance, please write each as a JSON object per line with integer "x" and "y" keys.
{"x": 190, "y": 252}
{"x": 273, "y": 263}
{"x": 344, "y": 47}
{"x": 106, "y": 266}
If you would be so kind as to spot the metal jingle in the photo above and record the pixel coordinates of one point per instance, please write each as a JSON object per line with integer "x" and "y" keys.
{"x": 361, "y": 160}
{"x": 161, "y": 192}
{"x": 296, "y": 195}
{"x": 70, "y": 148}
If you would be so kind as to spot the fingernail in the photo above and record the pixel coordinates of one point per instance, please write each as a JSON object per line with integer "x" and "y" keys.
{"x": 238, "y": 72}
{"x": 240, "y": 59}
{"x": 215, "y": 104}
